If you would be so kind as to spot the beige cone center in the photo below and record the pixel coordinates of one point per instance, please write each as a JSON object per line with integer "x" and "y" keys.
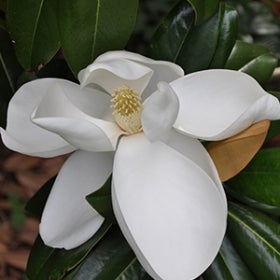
{"x": 127, "y": 106}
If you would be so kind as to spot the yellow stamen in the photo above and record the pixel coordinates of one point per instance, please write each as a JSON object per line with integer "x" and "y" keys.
{"x": 127, "y": 106}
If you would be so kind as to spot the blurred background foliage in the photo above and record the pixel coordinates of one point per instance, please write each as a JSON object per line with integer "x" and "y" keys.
{"x": 258, "y": 22}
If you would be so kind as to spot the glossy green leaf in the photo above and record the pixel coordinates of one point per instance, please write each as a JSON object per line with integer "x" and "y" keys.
{"x": 101, "y": 200}
{"x": 227, "y": 37}
{"x": 168, "y": 40}
{"x": 111, "y": 259}
{"x": 261, "y": 68}
{"x": 36, "y": 204}
{"x": 209, "y": 42}
{"x": 255, "y": 60}
{"x": 9, "y": 72}
{"x": 33, "y": 27}
{"x": 37, "y": 260}
{"x": 270, "y": 209}
{"x": 48, "y": 263}
{"x": 256, "y": 237}
{"x": 242, "y": 53}
{"x": 207, "y": 45}
{"x": 260, "y": 180}
{"x": 228, "y": 265}
{"x": 204, "y": 9}
{"x": 91, "y": 27}
{"x": 199, "y": 47}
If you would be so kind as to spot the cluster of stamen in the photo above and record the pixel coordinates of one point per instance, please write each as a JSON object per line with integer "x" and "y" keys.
{"x": 127, "y": 106}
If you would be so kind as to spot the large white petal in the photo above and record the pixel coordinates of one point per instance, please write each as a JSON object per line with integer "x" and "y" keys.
{"x": 169, "y": 209}
{"x": 160, "y": 112}
{"x": 162, "y": 70}
{"x": 116, "y": 73}
{"x": 68, "y": 220}
{"x": 195, "y": 151}
{"x": 79, "y": 118}
{"x": 24, "y": 136}
{"x": 216, "y": 104}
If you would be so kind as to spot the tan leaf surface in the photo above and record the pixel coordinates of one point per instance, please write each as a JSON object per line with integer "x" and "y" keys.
{"x": 233, "y": 154}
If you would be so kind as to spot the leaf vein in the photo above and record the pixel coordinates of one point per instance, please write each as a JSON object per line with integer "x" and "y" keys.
{"x": 254, "y": 232}
{"x": 126, "y": 268}
{"x": 7, "y": 72}
{"x": 95, "y": 28}
{"x": 35, "y": 28}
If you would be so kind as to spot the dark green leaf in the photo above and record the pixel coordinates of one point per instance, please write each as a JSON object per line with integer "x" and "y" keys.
{"x": 207, "y": 45}
{"x": 204, "y": 9}
{"x": 270, "y": 209}
{"x": 261, "y": 68}
{"x": 199, "y": 47}
{"x": 255, "y": 60}
{"x": 169, "y": 38}
{"x": 39, "y": 256}
{"x": 228, "y": 265}
{"x": 101, "y": 200}
{"x": 260, "y": 180}
{"x": 256, "y": 238}
{"x": 33, "y": 26}
{"x": 242, "y": 53}
{"x": 48, "y": 263}
{"x": 112, "y": 259}
{"x": 227, "y": 36}
{"x": 8, "y": 63}
{"x": 259, "y": 22}
{"x": 91, "y": 27}
{"x": 9, "y": 72}
{"x": 215, "y": 35}
{"x": 3, "y": 5}
{"x": 36, "y": 204}
{"x": 274, "y": 130}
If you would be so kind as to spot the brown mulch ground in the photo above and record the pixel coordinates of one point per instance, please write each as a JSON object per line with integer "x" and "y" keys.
{"x": 20, "y": 177}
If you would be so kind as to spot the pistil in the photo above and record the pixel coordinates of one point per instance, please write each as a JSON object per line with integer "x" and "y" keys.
{"x": 128, "y": 107}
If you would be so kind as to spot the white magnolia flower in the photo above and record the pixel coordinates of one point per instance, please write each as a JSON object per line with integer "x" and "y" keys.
{"x": 140, "y": 119}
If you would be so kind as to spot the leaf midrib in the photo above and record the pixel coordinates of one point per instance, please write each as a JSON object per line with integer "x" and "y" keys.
{"x": 2, "y": 61}
{"x": 95, "y": 28}
{"x": 253, "y": 232}
{"x": 35, "y": 29}
{"x": 126, "y": 268}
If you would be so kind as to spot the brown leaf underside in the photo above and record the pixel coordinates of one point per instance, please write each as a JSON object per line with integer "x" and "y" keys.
{"x": 233, "y": 154}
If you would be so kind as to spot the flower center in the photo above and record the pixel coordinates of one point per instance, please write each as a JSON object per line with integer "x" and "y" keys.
{"x": 127, "y": 106}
